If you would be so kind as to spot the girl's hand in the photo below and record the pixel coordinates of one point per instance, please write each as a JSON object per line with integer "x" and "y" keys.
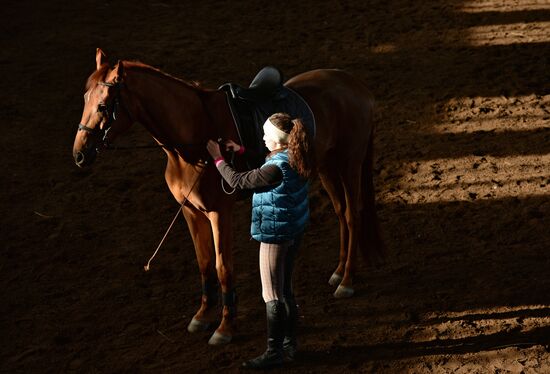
{"x": 214, "y": 149}
{"x": 230, "y": 145}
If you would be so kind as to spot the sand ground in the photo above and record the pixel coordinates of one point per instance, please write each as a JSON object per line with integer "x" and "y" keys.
{"x": 462, "y": 183}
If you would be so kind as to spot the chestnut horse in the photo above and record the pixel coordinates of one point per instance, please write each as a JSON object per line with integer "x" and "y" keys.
{"x": 182, "y": 116}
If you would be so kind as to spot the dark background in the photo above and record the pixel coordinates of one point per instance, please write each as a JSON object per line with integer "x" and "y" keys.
{"x": 462, "y": 179}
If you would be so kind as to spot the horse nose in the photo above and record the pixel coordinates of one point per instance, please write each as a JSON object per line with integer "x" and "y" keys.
{"x": 79, "y": 158}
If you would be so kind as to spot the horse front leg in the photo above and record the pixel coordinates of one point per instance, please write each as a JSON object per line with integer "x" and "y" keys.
{"x": 199, "y": 227}
{"x": 223, "y": 241}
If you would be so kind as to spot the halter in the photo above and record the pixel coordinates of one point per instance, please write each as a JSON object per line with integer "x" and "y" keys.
{"x": 109, "y": 110}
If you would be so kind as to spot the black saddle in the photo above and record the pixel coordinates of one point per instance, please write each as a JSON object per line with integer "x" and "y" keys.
{"x": 264, "y": 87}
{"x": 252, "y": 106}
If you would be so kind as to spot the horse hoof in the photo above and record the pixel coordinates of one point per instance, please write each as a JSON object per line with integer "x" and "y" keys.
{"x": 343, "y": 292}
{"x": 195, "y": 325}
{"x": 335, "y": 279}
{"x": 219, "y": 339}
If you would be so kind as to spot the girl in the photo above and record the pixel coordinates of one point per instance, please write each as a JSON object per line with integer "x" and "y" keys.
{"x": 280, "y": 212}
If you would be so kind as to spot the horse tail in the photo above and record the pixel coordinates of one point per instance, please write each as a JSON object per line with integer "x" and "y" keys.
{"x": 370, "y": 241}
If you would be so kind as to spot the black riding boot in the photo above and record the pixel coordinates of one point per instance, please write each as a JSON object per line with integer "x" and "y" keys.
{"x": 290, "y": 345}
{"x": 273, "y": 356}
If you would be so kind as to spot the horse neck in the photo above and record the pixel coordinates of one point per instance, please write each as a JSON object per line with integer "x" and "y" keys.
{"x": 172, "y": 110}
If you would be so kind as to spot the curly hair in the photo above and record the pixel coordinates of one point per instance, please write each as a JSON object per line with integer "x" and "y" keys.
{"x": 300, "y": 147}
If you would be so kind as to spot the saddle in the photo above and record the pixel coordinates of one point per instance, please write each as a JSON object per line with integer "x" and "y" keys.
{"x": 250, "y": 108}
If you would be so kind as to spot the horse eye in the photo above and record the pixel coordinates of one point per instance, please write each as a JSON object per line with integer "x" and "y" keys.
{"x": 102, "y": 108}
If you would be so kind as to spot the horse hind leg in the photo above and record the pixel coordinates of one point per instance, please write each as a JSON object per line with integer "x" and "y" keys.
{"x": 371, "y": 241}
{"x": 352, "y": 192}
{"x": 332, "y": 183}
{"x": 199, "y": 227}
{"x": 361, "y": 219}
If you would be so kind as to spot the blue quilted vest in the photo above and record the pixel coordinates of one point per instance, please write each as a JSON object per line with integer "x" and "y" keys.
{"x": 280, "y": 213}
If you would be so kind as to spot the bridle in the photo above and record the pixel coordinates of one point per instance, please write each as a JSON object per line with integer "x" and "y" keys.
{"x": 109, "y": 110}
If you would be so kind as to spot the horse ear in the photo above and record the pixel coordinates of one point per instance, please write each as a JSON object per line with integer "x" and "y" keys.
{"x": 119, "y": 71}
{"x": 100, "y": 58}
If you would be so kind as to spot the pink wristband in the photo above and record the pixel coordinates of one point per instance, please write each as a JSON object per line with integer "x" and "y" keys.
{"x": 218, "y": 161}
{"x": 241, "y": 150}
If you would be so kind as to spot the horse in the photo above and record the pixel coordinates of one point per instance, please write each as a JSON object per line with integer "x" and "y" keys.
{"x": 182, "y": 116}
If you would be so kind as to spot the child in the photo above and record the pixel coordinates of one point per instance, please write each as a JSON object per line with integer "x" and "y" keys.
{"x": 280, "y": 212}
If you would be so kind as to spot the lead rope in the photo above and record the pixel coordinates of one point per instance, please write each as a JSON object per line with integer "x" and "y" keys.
{"x": 222, "y": 181}
{"x": 148, "y": 266}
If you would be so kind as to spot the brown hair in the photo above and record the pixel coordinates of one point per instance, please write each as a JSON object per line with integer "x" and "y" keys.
{"x": 300, "y": 147}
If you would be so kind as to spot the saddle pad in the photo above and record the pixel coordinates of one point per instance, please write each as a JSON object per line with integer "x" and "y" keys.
{"x": 251, "y": 115}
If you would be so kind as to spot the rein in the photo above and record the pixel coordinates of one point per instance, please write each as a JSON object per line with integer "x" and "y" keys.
{"x": 147, "y": 267}
{"x": 110, "y": 111}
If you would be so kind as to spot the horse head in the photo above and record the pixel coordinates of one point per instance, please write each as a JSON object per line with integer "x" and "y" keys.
{"x": 104, "y": 116}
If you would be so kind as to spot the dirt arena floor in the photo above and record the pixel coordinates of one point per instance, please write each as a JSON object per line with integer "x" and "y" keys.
{"x": 462, "y": 182}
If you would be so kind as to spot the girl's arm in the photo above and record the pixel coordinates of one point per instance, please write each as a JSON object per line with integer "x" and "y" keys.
{"x": 267, "y": 175}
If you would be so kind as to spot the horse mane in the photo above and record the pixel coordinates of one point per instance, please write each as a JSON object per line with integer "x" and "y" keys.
{"x": 100, "y": 74}
{"x": 150, "y": 69}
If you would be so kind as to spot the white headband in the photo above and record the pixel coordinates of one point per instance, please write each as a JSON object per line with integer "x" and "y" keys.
{"x": 273, "y": 133}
